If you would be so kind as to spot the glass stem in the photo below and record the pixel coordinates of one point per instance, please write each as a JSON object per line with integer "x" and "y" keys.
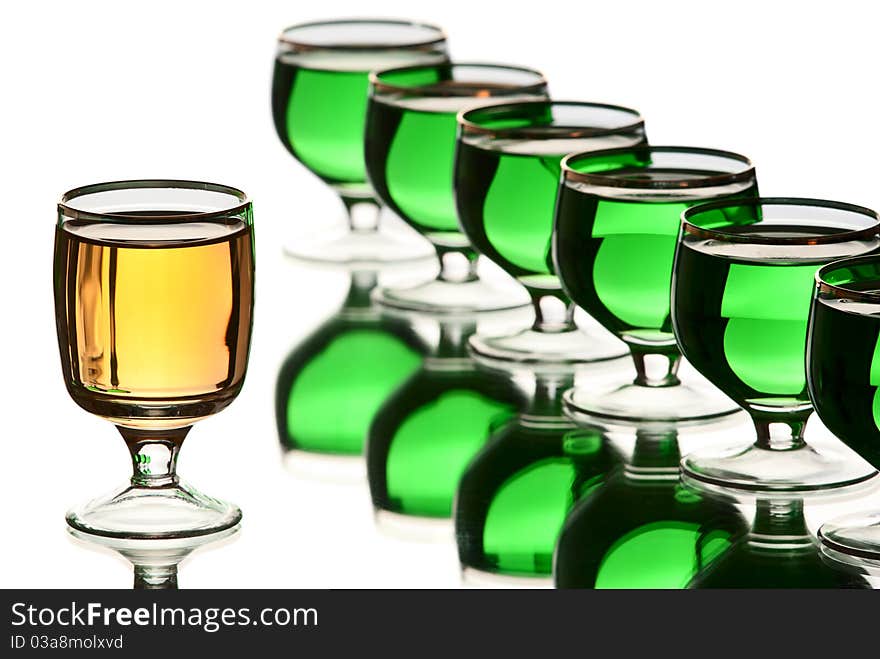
{"x": 155, "y": 577}
{"x": 780, "y": 431}
{"x": 154, "y": 454}
{"x": 363, "y": 214}
{"x": 361, "y": 286}
{"x": 547, "y": 399}
{"x": 780, "y": 519}
{"x": 457, "y": 264}
{"x": 656, "y": 366}
{"x": 554, "y": 312}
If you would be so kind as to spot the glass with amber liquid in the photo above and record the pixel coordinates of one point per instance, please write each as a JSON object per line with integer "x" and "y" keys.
{"x": 154, "y": 286}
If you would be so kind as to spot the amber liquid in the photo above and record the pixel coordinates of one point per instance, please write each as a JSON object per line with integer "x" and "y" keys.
{"x": 154, "y": 320}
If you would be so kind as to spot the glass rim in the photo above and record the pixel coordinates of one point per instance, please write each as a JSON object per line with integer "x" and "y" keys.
{"x": 468, "y": 124}
{"x": 819, "y": 239}
{"x": 842, "y": 290}
{"x": 422, "y": 90}
{"x": 414, "y": 44}
{"x": 72, "y": 213}
{"x": 603, "y": 180}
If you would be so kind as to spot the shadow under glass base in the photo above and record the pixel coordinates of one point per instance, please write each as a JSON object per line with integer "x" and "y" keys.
{"x": 343, "y": 246}
{"x": 564, "y": 348}
{"x": 854, "y": 539}
{"x": 630, "y": 403}
{"x": 154, "y": 513}
{"x": 445, "y": 297}
{"x": 762, "y": 470}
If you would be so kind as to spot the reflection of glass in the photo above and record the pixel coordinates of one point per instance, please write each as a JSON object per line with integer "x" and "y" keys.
{"x": 507, "y": 169}
{"x": 843, "y": 377}
{"x": 410, "y": 147}
{"x": 642, "y": 528}
{"x": 319, "y": 99}
{"x": 331, "y": 385}
{"x": 153, "y": 304}
{"x": 616, "y": 224}
{"x": 154, "y": 561}
{"x": 740, "y": 302}
{"x": 424, "y": 435}
{"x": 778, "y": 552}
{"x": 514, "y": 496}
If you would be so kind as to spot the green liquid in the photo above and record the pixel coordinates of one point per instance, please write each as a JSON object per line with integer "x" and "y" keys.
{"x": 615, "y": 257}
{"x": 411, "y": 145}
{"x": 743, "y": 322}
{"x": 319, "y": 104}
{"x": 779, "y": 553}
{"x": 515, "y": 495}
{"x": 844, "y": 370}
{"x": 426, "y": 433}
{"x": 507, "y": 195}
{"x": 317, "y": 408}
{"x": 643, "y": 532}
{"x": 506, "y": 206}
{"x": 410, "y": 157}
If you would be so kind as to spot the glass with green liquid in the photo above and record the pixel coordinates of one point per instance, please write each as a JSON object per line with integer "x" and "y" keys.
{"x": 742, "y": 284}
{"x": 514, "y": 496}
{"x": 843, "y": 379}
{"x": 617, "y": 219}
{"x": 331, "y": 385}
{"x": 507, "y": 170}
{"x": 319, "y": 101}
{"x": 429, "y": 429}
{"x": 777, "y": 552}
{"x": 410, "y": 147}
{"x": 642, "y": 528}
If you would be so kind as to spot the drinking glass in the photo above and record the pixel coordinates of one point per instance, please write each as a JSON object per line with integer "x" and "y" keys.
{"x": 843, "y": 378}
{"x": 429, "y": 429}
{"x": 319, "y": 100}
{"x": 410, "y": 148}
{"x": 353, "y": 361}
{"x": 154, "y": 283}
{"x": 642, "y": 528}
{"x": 777, "y": 552}
{"x": 507, "y": 171}
{"x": 741, "y": 287}
{"x": 617, "y": 218}
{"x": 515, "y": 494}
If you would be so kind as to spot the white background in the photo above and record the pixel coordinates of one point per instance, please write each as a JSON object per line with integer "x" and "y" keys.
{"x": 94, "y": 91}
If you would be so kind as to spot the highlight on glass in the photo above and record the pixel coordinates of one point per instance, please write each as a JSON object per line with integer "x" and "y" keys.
{"x": 410, "y": 149}
{"x": 319, "y": 100}
{"x": 843, "y": 378}
{"x": 741, "y": 294}
{"x": 617, "y": 219}
{"x": 154, "y": 283}
{"x": 507, "y": 172}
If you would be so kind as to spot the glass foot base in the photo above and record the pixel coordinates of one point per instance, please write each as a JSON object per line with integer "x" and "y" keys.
{"x": 346, "y": 247}
{"x": 413, "y": 527}
{"x": 474, "y": 578}
{"x": 154, "y": 513}
{"x": 761, "y": 470}
{"x": 562, "y": 348}
{"x": 630, "y": 403}
{"x": 443, "y": 297}
{"x": 854, "y": 539}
